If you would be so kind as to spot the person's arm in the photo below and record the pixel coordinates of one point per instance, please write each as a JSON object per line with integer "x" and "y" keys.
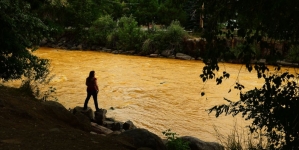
{"x": 96, "y": 84}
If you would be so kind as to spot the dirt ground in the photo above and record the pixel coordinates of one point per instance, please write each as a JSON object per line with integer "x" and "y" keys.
{"x": 26, "y": 124}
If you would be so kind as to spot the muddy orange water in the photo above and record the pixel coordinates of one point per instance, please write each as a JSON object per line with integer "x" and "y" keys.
{"x": 154, "y": 93}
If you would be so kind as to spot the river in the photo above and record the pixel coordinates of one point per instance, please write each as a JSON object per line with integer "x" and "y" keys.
{"x": 154, "y": 93}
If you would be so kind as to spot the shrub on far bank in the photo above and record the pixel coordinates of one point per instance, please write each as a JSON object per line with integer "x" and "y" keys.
{"x": 100, "y": 29}
{"x": 293, "y": 54}
{"x": 155, "y": 42}
{"x": 128, "y": 35}
{"x": 170, "y": 38}
{"x": 174, "y": 36}
{"x": 237, "y": 52}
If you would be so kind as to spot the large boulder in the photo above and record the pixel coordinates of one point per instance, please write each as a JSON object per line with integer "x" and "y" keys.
{"x": 58, "y": 112}
{"x": 88, "y": 112}
{"x": 183, "y": 56}
{"x": 142, "y": 138}
{"x": 82, "y": 118}
{"x": 167, "y": 53}
{"x": 100, "y": 129}
{"x": 113, "y": 125}
{"x": 100, "y": 116}
{"x": 128, "y": 125}
{"x": 197, "y": 144}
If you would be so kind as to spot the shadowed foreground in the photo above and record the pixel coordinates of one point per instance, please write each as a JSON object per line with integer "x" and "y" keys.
{"x": 26, "y": 123}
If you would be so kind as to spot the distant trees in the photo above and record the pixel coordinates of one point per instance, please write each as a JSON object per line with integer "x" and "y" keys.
{"x": 26, "y": 23}
{"x": 100, "y": 29}
{"x": 192, "y": 9}
{"x": 159, "y": 12}
{"x": 170, "y": 10}
{"x": 146, "y": 11}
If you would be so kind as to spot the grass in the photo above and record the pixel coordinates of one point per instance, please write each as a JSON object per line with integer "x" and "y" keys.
{"x": 241, "y": 139}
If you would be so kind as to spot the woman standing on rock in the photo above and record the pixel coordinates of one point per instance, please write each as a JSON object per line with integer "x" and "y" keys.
{"x": 92, "y": 89}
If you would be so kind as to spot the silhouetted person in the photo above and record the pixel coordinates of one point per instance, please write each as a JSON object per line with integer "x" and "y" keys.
{"x": 92, "y": 90}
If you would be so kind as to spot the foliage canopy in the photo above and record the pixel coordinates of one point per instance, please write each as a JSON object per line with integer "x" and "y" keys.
{"x": 272, "y": 108}
{"x": 20, "y": 31}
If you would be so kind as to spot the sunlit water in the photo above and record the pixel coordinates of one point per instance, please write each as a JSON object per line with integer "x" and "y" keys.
{"x": 154, "y": 93}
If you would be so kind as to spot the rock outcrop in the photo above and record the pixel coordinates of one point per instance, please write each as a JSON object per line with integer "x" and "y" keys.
{"x": 140, "y": 138}
{"x": 197, "y": 144}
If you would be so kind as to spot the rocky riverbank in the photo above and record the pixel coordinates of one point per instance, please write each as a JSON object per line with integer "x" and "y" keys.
{"x": 142, "y": 138}
{"x": 64, "y": 43}
{"x": 28, "y": 123}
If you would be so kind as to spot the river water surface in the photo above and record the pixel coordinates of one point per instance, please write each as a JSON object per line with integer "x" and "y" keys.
{"x": 154, "y": 93}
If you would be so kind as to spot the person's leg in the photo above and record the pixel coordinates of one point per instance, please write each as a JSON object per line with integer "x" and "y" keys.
{"x": 87, "y": 99}
{"x": 95, "y": 98}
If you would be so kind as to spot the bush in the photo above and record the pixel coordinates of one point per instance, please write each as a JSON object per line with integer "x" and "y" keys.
{"x": 147, "y": 47}
{"x": 154, "y": 42}
{"x": 100, "y": 30}
{"x": 174, "y": 35}
{"x": 34, "y": 87}
{"x": 273, "y": 108}
{"x": 171, "y": 38}
{"x": 111, "y": 40}
{"x": 175, "y": 143}
{"x": 241, "y": 140}
{"x": 128, "y": 34}
{"x": 293, "y": 54}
